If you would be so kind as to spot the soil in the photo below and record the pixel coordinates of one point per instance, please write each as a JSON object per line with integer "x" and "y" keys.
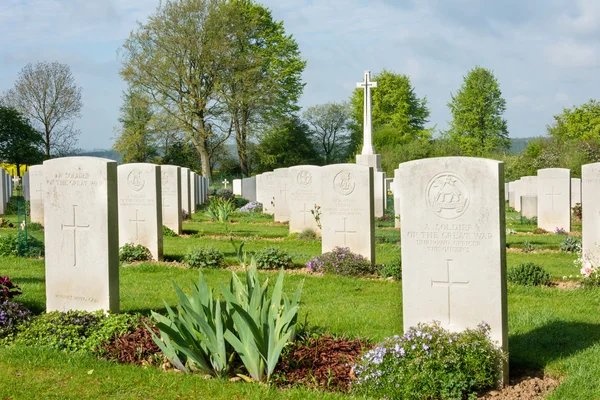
{"x": 525, "y": 384}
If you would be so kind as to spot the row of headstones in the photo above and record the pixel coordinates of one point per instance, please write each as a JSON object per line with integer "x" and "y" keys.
{"x": 549, "y": 196}
{"x": 148, "y": 197}
{"x": 453, "y": 230}
{"x": 6, "y": 189}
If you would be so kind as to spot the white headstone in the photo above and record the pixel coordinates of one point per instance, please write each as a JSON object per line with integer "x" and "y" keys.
{"x": 237, "y": 187}
{"x": 379, "y": 193}
{"x": 249, "y": 188}
{"x": 3, "y": 190}
{"x": 347, "y": 213}
{"x": 529, "y": 206}
{"x": 265, "y": 192}
{"x": 7, "y": 185}
{"x": 37, "y": 190}
{"x": 281, "y": 195}
{"x": 26, "y": 186}
{"x": 304, "y": 182}
{"x": 511, "y": 194}
{"x": 506, "y": 191}
{"x": 575, "y": 191}
{"x": 140, "y": 207}
{"x": 554, "y": 199}
{"x": 186, "y": 206}
{"x": 518, "y": 188}
{"x": 193, "y": 200}
{"x": 171, "y": 197}
{"x": 81, "y": 234}
{"x": 590, "y": 218}
{"x": 396, "y": 199}
{"x": 453, "y": 244}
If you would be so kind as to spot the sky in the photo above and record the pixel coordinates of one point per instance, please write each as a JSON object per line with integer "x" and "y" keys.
{"x": 544, "y": 53}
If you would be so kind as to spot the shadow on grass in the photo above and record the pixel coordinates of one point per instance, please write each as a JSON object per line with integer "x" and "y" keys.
{"x": 19, "y": 280}
{"x": 556, "y": 340}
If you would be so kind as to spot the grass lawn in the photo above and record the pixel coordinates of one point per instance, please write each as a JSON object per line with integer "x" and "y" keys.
{"x": 549, "y": 328}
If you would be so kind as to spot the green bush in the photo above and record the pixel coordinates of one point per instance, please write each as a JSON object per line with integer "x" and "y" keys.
{"x": 528, "y": 247}
{"x": 134, "y": 252}
{"x": 341, "y": 261}
{"x": 577, "y": 211}
{"x": 219, "y": 209}
{"x": 206, "y": 333}
{"x": 528, "y": 274}
{"x": 429, "y": 362}
{"x": 166, "y": 231}
{"x": 393, "y": 270}
{"x": 9, "y": 246}
{"x": 571, "y": 244}
{"x": 34, "y": 226}
{"x": 12, "y": 315}
{"x": 73, "y": 330}
{"x": 205, "y": 257}
{"x": 308, "y": 234}
{"x": 273, "y": 258}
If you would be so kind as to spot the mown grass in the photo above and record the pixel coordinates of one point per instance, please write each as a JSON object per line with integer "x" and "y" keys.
{"x": 549, "y": 328}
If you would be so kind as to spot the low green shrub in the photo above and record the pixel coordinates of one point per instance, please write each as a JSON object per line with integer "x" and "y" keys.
{"x": 577, "y": 211}
{"x": 219, "y": 209}
{"x": 341, "y": 261}
{"x": 528, "y": 247}
{"x": 571, "y": 244}
{"x": 528, "y": 274}
{"x": 134, "y": 252}
{"x": 12, "y": 315}
{"x": 308, "y": 234}
{"x": 73, "y": 330}
{"x": 273, "y": 258}
{"x": 392, "y": 270}
{"x": 34, "y": 226}
{"x": 32, "y": 247}
{"x": 166, "y": 231}
{"x": 539, "y": 231}
{"x": 205, "y": 333}
{"x": 429, "y": 362}
{"x": 205, "y": 257}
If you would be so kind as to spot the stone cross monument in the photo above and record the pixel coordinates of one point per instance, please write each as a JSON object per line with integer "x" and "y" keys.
{"x": 368, "y": 156}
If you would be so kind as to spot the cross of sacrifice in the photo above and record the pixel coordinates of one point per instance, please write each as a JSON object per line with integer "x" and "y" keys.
{"x": 137, "y": 224}
{"x": 552, "y": 194}
{"x": 345, "y": 232}
{"x": 16, "y": 180}
{"x": 367, "y": 84}
{"x": 74, "y": 228}
{"x": 225, "y": 182}
{"x": 449, "y": 284}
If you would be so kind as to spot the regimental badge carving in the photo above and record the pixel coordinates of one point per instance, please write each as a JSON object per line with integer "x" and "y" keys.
{"x": 447, "y": 195}
{"x": 135, "y": 180}
{"x": 344, "y": 183}
{"x": 304, "y": 178}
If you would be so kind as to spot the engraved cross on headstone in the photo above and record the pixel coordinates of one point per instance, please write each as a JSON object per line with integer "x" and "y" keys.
{"x": 283, "y": 193}
{"x": 304, "y": 212}
{"x": 137, "y": 221}
{"x": 449, "y": 284}
{"x": 367, "y": 84}
{"x": 74, "y": 228}
{"x": 345, "y": 232}
{"x": 552, "y": 194}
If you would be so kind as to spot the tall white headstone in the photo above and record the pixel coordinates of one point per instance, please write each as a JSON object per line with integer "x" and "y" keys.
{"x": 590, "y": 218}
{"x": 237, "y": 187}
{"x": 575, "y": 191}
{"x": 37, "y": 190}
{"x": 25, "y": 186}
{"x": 396, "y": 199}
{"x": 3, "y": 189}
{"x": 193, "y": 200}
{"x": 281, "y": 195}
{"x": 453, "y": 244}
{"x": 249, "y": 188}
{"x": 554, "y": 199}
{"x": 304, "y": 182}
{"x": 81, "y": 234}
{"x": 171, "y": 197}
{"x": 347, "y": 213}
{"x": 186, "y": 206}
{"x": 379, "y": 194}
{"x": 265, "y": 192}
{"x": 140, "y": 207}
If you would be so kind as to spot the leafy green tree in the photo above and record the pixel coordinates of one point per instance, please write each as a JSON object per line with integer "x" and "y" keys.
{"x": 285, "y": 144}
{"x": 20, "y": 143}
{"x": 395, "y": 108}
{"x": 580, "y": 122}
{"x": 261, "y": 82}
{"x": 329, "y": 126}
{"x": 477, "y": 108}
{"x": 136, "y": 141}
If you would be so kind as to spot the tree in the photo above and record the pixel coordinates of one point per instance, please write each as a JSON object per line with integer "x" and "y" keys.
{"x": 136, "y": 142}
{"x": 329, "y": 124}
{"x": 261, "y": 81}
{"x": 19, "y": 142}
{"x": 285, "y": 144}
{"x": 582, "y": 122}
{"x": 477, "y": 108}
{"x": 46, "y": 94}
{"x": 177, "y": 58}
{"x": 395, "y": 107}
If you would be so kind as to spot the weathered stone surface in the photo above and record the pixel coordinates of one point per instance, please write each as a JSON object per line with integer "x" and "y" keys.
{"x": 575, "y": 191}
{"x": 529, "y": 206}
{"x": 171, "y": 197}
{"x": 37, "y": 188}
{"x": 348, "y": 210}
{"x": 554, "y": 199}
{"x": 140, "y": 206}
{"x": 379, "y": 193}
{"x": 304, "y": 184}
{"x": 590, "y": 210}
{"x": 249, "y": 188}
{"x": 81, "y": 234}
{"x": 186, "y": 204}
{"x": 453, "y": 244}
{"x": 281, "y": 195}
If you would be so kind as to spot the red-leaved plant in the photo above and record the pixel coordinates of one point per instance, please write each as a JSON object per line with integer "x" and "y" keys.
{"x": 8, "y": 290}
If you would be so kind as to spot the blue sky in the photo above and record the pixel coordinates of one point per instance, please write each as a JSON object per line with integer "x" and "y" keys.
{"x": 545, "y": 53}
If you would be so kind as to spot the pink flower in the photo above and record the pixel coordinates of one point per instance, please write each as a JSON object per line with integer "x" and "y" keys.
{"x": 586, "y": 268}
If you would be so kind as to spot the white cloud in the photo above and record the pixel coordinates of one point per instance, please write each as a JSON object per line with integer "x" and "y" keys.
{"x": 567, "y": 53}
{"x": 520, "y": 99}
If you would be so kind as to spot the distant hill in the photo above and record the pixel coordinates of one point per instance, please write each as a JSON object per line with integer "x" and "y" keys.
{"x": 517, "y": 145}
